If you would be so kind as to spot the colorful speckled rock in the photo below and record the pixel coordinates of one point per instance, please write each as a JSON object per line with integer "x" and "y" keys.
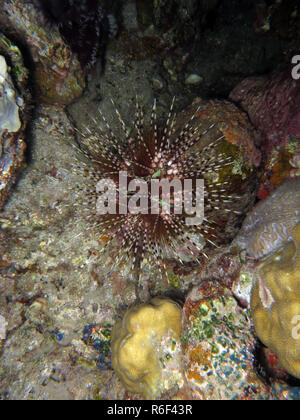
{"x": 99, "y": 338}
{"x": 58, "y": 75}
{"x": 272, "y": 221}
{"x": 219, "y": 348}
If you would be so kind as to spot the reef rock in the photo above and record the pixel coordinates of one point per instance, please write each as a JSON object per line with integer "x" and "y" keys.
{"x": 273, "y": 106}
{"x": 58, "y": 74}
{"x": 84, "y": 25}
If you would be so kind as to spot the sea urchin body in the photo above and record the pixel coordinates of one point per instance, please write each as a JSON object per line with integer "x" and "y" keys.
{"x": 184, "y": 157}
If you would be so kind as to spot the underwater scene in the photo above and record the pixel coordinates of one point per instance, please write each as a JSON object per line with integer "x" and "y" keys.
{"x": 150, "y": 201}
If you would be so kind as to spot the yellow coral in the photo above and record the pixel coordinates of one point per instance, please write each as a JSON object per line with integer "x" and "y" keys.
{"x": 275, "y": 304}
{"x": 137, "y": 350}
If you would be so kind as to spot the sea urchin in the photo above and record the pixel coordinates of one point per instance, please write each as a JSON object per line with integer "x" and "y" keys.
{"x": 143, "y": 226}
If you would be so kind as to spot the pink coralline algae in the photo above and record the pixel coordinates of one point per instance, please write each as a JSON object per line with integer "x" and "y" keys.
{"x": 273, "y": 106}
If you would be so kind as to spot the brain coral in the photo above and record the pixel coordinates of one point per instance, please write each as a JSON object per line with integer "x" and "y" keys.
{"x": 140, "y": 341}
{"x": 275, "y": 304}
{"x": 272, "y": 221}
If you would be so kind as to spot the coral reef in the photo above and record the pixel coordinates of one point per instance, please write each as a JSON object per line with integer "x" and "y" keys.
{"x": 58, "y": 76}
{"x": 272, "y": 221}
{"x": 210, "y": 141}
{"x": 275, "y": 304}
{"x": 144, "y": 347}
{"x": 12, "y": 145}
{"x": 60, "y": 286}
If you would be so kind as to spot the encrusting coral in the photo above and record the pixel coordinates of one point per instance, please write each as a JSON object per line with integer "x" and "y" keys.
{"x": 275, "y": 304}
{"x": 140, "y": 342}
